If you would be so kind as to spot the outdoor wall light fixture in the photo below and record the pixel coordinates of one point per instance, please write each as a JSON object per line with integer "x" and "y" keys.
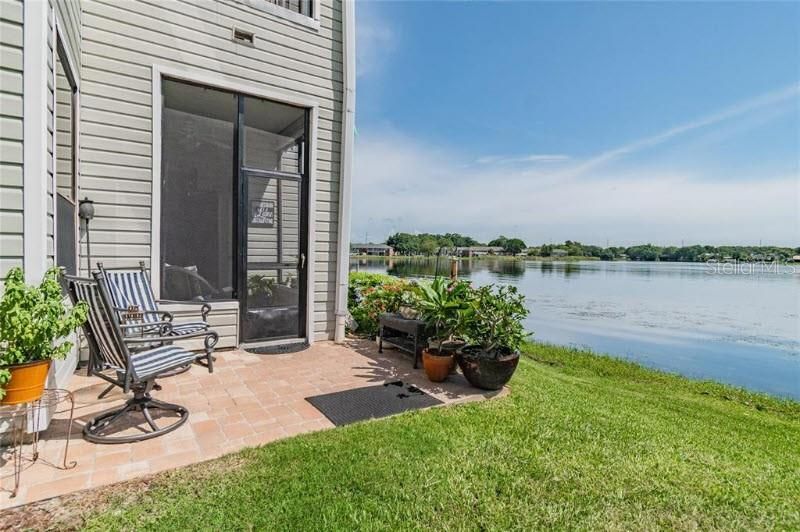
{"x": 86, "y": 213}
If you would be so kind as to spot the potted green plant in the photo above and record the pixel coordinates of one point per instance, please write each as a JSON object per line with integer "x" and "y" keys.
{"x": 260, "y": 290}
{"x": 33, "y": 323}
{"x": 442, "y": 305}
{"x": 495, "y": 332}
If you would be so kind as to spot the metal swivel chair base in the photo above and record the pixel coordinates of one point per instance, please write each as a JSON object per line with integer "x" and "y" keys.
{"x": 94, "y": 430}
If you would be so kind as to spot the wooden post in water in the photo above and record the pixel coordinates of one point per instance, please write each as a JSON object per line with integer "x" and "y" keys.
{"x": 454, "y": 269}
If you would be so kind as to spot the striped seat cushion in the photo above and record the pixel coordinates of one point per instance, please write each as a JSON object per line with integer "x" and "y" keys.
{"x": 158, "y": 360}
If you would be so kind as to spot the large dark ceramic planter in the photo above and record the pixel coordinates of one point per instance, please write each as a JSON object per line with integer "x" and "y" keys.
{"x": 484, "y": 372}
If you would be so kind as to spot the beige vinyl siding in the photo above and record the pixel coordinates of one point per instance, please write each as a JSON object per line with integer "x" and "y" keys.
{"x": 69, "y": 17}
{"x": 121, "y": 43}
{"x": 11, "y": 43}
{"x": 64, "y": 141}
{"x": 224, "y": 319}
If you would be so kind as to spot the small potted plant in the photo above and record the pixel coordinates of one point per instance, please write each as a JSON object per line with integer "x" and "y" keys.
{"x": 260, "y": 290}
{"x": 495, "y": 331}
{"x": 33, "y": 323}
{"x": 442, "y": 305}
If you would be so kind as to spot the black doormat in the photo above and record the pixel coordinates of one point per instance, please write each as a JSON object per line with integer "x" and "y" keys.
{"x": 279, "y": 349}
{"x": 349, "y": 406}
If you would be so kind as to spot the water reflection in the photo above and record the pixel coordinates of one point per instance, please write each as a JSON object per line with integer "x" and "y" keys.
{"x": 505, "y": 268}
{"x": 566, "y": 269}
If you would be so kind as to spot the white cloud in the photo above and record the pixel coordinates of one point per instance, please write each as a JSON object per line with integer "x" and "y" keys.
{"x": 532, "y": 158}
{"x": 403, "y": 185}
{"x": 761, "y": 103}
{"x": 375, "y": 39}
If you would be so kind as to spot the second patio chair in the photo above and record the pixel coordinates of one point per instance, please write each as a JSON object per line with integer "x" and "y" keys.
{"x": 133, "y": 371}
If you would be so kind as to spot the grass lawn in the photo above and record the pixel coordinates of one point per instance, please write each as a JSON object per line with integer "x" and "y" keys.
{"x": 582, "y": 441}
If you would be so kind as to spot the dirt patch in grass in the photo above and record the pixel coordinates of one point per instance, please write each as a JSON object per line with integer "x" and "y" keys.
{"x": 69, "y": 512}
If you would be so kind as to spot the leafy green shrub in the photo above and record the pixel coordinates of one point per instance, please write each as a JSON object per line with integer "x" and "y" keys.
{"x": 494, "y": 321}
{"x": 32, "y": 321}
{"x": 371, "y": 294}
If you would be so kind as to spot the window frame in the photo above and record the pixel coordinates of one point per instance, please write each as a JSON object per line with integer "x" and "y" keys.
{"x": 61, "y": 53}
{"x": 213, "y": 79}
{"x": 267, "y": 6}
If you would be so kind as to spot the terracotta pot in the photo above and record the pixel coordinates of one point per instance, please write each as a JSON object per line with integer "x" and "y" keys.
{"x": 484, "y": 372}
{"x": 437, "y": 367}
{"x": 27, "y": 382}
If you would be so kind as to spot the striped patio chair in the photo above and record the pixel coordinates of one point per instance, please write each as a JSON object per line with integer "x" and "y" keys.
{"x": 133, "y": 300}
{"x": 133, "y": 371}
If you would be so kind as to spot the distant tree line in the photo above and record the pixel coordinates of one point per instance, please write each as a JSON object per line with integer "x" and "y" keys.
{"x": 431, "y": 243}
{"x": 427, "y": 243}
{"x": 649, "y": 252}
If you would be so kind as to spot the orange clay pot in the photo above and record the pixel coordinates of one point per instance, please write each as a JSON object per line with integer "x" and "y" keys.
{"x": 437, "y": 367}
{"x": 27, "y": 382}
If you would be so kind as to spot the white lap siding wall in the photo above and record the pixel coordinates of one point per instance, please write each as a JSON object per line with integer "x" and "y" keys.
{"x": 121, "y": 43}
{"x": 11, "y": 192}
{"x": 68, "y": 14}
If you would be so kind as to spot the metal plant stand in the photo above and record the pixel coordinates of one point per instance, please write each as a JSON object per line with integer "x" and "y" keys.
{"x": 28, "y": 418}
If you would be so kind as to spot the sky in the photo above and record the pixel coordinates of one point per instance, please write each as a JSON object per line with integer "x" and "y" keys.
{"x": 618, "y": 123}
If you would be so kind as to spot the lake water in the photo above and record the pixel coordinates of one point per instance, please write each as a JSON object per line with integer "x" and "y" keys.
{"x": 738, "y": 324}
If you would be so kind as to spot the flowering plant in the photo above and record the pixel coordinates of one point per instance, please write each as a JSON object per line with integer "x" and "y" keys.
{"x": 373, "y": 294}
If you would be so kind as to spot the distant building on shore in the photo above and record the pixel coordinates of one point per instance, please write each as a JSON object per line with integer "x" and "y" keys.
{"x": 478, "y": 251}
{"x": 372, "y": 249}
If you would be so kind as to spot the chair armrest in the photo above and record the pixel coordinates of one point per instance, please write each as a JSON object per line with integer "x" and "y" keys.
{"x": 165, "y": 314}
{"x": 205, "y": 308}
{"x": 159, "y": 324}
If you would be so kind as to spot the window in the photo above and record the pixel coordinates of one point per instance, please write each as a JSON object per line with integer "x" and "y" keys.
{"x": 302, "y": 12}
{"x": 298, "y": 6}
{"x": 66, "y": 163}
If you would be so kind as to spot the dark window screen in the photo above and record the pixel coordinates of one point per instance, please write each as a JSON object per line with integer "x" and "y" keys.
{"x": 197, "y": 176}
{"x": 66, "y": 238}
{"x": 65, "y": 169}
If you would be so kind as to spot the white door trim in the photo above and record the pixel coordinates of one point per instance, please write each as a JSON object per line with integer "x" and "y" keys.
{"x": 227, "y": 83}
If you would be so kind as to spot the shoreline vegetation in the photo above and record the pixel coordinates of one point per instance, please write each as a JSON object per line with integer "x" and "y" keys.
{"x": 475, "y": 257}
{"x": 431, "y": 244}
{"x": 582, "y": 441}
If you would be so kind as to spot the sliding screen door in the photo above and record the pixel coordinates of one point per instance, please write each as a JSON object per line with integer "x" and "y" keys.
{"x": 198, "y": 179}
{"x": 234, "y": 207}
{"x": 273, "y": 174}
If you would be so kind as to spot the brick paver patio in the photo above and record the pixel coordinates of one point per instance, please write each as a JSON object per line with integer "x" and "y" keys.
{"x": 249, "y": 400}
